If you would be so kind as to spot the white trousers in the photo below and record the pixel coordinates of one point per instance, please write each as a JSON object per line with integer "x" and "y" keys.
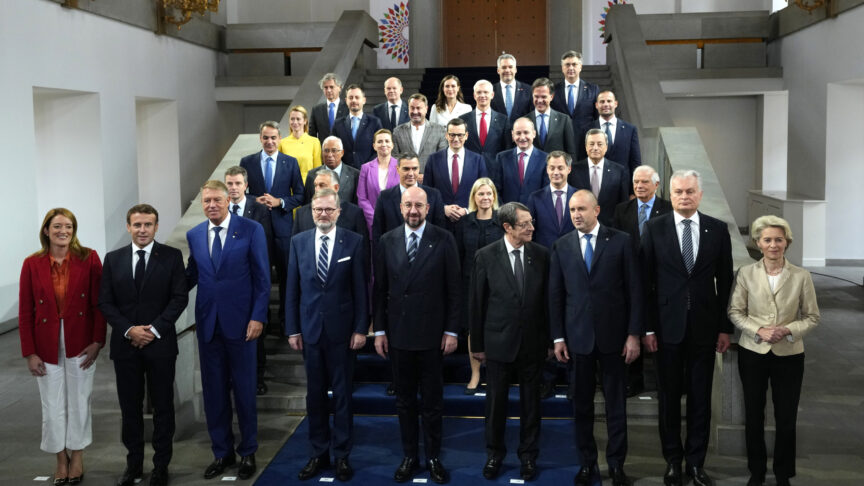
{"x": 65, "y": 391}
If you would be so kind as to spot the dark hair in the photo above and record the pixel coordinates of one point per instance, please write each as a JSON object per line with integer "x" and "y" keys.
{"x": 237, "y": 170}
{"x": 419, "y": 96}
{"x": 141, "y": 209}
{"x": 507, "y": 213}
{"x": 441, "y": 101}
{"x": 560, "y": 153}
{"x": 540, "y": 82}
{"x": 457, "y": 122}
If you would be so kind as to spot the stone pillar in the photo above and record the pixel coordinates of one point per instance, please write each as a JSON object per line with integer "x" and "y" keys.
{"x": 424, "y": 38}
{"x": 564, "y": 27}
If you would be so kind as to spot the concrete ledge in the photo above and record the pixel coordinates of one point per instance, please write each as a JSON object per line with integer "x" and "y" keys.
{"x": 747, "y": 55}
{"x": 278, "y": 35}
{"x": 256, "y": 64}
{"x": 715, "y": 25}
{"x": 726, "y": 73}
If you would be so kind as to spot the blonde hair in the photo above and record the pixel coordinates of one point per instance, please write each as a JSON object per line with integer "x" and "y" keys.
{"x": 300, "y": 109}
{"x": 74, "y": 245}
{"x": 770, "y": 221}
{"x": 483, "y": 181}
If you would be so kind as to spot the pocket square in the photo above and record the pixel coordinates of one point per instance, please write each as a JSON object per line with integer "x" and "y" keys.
{"x": 343, "y": 259}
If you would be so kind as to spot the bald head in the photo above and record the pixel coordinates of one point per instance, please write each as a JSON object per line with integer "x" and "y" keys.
{"x": 393, "y": 90}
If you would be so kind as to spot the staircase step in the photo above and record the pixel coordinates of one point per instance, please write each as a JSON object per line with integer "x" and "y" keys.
{"x": 285, "y": 397}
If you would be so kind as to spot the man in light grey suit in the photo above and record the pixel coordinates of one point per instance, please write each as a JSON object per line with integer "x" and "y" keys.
{"x": 420, "y": 136}
{"x": 554, "y": 129}
{"x": 331, "y": 156}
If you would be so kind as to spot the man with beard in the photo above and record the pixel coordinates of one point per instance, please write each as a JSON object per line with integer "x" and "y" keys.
{"x": 326, "y": 318}
{"x": 417, "y": 301}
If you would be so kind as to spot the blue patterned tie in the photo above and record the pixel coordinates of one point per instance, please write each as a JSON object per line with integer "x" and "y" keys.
{"x": 589, "y": 252}
{"x": 643, "y": 217}
{"x": 608, "y": 136}
{"x": 354, "y": 123}
{"x": 508, "y": 100}
{"x": 571, "y": 100}
{"x": 687, "y": 246}
{"x": 268, "y": 175}
{"x": 322, "y": 260}
{"x": 412, "y": 248}
{"x": 216, "y": 250}
{"x": 331, "y": 114}
{"x": 541, "y": 129}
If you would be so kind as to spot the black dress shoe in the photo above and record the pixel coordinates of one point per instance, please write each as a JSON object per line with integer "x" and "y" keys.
{"x": 756, "y": 481}
{"x": 492, "y": 467}
{"x": 247, "y": 467}
{"x": 159, "y": 477}
{"x": 218, "y": 466}
{"x": 618, "y": 476}
{"x": 437, "y": 473}
{"x": 528, "y": 471}
{"x": 583, "y": 477}
{"x": 783, "y": 481}
{"x": 391, "y": 389}
{"x": 75, "y": 479}
{"x": 470, "y": 391}
{"x": 343, "y": 470}
{"x": 313, "y": 467}
{"x": 699, "y": 477}
{"x": 672, "y": 476}
{"x": 129, "y": 476}
{"x": 262, "y": 388}
{"x": 60, "y": 481}
{"x": 546, "y": 390}
{"x": 406, "y": 470}
{"x": 635, "y": 388}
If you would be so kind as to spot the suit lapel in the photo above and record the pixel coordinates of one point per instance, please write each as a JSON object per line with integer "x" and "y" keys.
{"x": 672, "y": 242}
{"x": 335, "y": 253}
{"x": 505, "y": 266}
{"x": 424, "y": 248}
{"x": 155, "y": 259}
{"x": 599, "y": 246}
{"x": 228, "y": 241}
{"x": 43, "y": 273}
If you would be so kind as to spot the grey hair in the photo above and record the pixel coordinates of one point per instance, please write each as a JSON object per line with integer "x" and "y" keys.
{"x": 326, "y": 192}
{"x": 333, "y": 138}
{"x": 596, "y": 131}
{"x": 329, "y": 77}
{"x": 506, "y": 56}
{"x": 655, "y": 177}
{"x": 482, "y": 82}
{"x": 507, "y": 213}
{"x": 269, "y": 124}
{"x": 683, "y": 174}
{"x": 334, "y": 177}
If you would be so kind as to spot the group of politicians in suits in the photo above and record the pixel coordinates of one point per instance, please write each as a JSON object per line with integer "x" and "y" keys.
{"x": 483, "y": 225}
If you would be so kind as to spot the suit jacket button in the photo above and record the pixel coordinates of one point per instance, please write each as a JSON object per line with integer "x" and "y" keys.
{"x": 82, "y": 296}
{"x": 40, "y": 301}
{"x": 44, "y": 320}
{"x": 80, "y": 313}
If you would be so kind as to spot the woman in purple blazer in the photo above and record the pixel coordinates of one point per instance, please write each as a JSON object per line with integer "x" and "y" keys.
{"x": 376, "y": 175}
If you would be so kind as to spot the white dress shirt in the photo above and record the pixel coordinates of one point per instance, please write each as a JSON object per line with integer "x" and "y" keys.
{"x": 599, "y": 170}
{"x": 527, "y": 158}
{"x": 147, "y": 251}
{"x": 694, "y": 230}
{"x": 330, "y": 243}
{"x": 564, "y": 202}
{"x": 222, "y": 234}
{"x": 417, "y": 136}
{"x": 241, "y": 209}
{"x": 460, "y": 161}
{"x": 613, "y": 126}
{"x": 567, "y": 92}
{"x": 512, "y": 257}
{"x": 593, "y": 234}
{"x": 545, "y": 120}
{"x": 478, "y": 116}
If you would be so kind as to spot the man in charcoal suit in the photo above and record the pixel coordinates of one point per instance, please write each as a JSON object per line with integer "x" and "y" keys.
{"x": 554, "y": 129}
{"x": 388, "y": 208}
{"x": 511, "y": 97}
{"x": 394, "y": 111}
{"x": 357, "y": 129}
{"x": 325, "y": 114}
{"x": 143, "y": 293}
{"x": 607, "y": 179}
{"x": 488, "y": 130}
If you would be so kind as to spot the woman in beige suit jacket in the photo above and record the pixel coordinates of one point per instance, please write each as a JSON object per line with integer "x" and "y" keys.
{"x": 774, "y": 305}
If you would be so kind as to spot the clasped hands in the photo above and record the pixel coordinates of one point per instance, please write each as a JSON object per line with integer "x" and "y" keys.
{"x": 269, "y": 201}
{"x": 773, "y": 334}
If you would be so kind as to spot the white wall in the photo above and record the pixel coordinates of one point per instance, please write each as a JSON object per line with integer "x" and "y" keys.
{"x": 729, "y": 135}
{"x": 692, "y": 6}
{"x": 269, "y": 11}
{"x": 807, "y": 73}
{"x": 114, "y": 64}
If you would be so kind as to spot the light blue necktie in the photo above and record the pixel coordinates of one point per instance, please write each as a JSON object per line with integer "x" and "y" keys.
{"x": 331, "y": 114}
{"x": 571, "y": 100}
{"x": 589, "y": 252}
{"x": 268, "y": 175}
{"x": 508, "y": 99}
{"x": 541, "y": 129}
{"x": 354, "y": 123}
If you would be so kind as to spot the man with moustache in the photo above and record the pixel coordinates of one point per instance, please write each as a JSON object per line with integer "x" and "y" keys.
{"x": 419, "y": 137}
{"x": 417, "y": 301}
{"x": 510, "y": 332}
{"x": 520, "y": 172}
{"x": 327, "y": 320}
{"x": 357, "y": 129}
{"x": 331, "y": 156}
{"x": 228, "y": 263}
{"x": 595, "y": 313}
{"x": 487, "y": 129}
{"x": 687, "y": 261}
{"x": 142, "y": 294}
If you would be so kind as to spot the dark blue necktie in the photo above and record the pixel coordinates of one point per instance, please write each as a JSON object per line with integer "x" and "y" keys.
{"x": 322, "y": 260}
{"x": 331, "y": 114}
{"x": 216, "y": 251}
{"x": 541, "y": 129}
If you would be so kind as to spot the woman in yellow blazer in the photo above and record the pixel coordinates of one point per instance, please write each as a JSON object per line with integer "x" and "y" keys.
{"x": 299, "y": 144}
{"x": 774, "y": 305}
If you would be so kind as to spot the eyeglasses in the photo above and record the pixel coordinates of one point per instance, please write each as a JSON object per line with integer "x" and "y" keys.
{"x": 525, "y": 224}
{"x": 417, "y": 206}
{"x": 328, "y": 211}
{"x": 456, "y": 135}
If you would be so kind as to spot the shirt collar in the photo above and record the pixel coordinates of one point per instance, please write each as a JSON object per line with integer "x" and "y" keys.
{"x": 331, "y": 234}
{"x": 224, "y": 223}
{"x": 679, "y": 218}
{"x": 147, "y": 249}
{"x": 527, "y": 152}
{"x": 510, "y": 247}
{"x": 537, "y": 114}
{"x": 650, "y": 202}
{"x": 613, "y": 120}
{"x": 419, "y": 231}
{"x": 460, "y": 153}
{"x": 593, "y": 232}
{"x": 264, "y": 156}
{"x": 599, "y": 164}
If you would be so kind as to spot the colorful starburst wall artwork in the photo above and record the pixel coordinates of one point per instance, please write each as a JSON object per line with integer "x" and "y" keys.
{"x": 393, "y": 50}
{"x": 602, "y": 21}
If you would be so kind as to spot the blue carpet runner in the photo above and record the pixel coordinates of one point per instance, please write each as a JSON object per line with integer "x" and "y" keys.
{"x": 377, "y": 453}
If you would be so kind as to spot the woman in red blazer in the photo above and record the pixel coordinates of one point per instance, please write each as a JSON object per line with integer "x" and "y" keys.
{"x": 62, "y": 332}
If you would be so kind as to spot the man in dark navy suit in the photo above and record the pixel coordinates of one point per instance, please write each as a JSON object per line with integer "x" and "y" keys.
{"x": 388, "y": 208}
{"x": 325, "y": 114}
{"x": 595, "y": 313}
{"x": 575, "y": 96}
{"x": 488, "y": 130}
{"x": 357, "y": 130}
{"x": 274, "y": 181}
{"x": 350, "y": 215}
{"x": 554, "y": 128}
{"x": 143, "y": 293}
{"x": 228, "y": 262}
{"x": 453, "y": 172}
{"x": 327, "y": 320}
{"x": 548, "y": 205}
{"x": 630, "y": 217}
{"x": 394, "y": 111}
{"x": 236, "y": 179}
{"x": 607, "y": 179}
{"x": 511, "y": 97}
{"x": 520, "y": 172}
{"x": 623, "y": 137}
{"x": 417, "y": 302}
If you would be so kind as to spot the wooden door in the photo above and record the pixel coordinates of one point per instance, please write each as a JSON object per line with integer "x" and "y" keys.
{"x": 476, "y": 32}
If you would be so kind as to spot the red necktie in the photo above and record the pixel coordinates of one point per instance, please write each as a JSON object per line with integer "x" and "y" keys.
{"x": 454, "y": 176}
{"x": 521, "y": 167}
{"x": 483, "y": 129}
